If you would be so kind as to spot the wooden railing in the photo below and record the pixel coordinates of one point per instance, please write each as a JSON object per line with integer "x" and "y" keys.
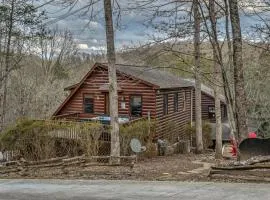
{"x": 68, "y": 115}
{"x": 134, "y": 121}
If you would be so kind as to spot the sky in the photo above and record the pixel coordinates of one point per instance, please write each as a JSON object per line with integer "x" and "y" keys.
{"x": 89, "y": 32}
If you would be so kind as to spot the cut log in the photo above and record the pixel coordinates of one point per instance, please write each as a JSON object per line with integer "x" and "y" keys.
{"x": 17, "y": 169}
{"x": 257, "y": 159}
{"x": 76, "y": 158}
{"x": 78, "y": 162}
{"x": 46, "y": 161}
{"x": 257, "y": 173}
{"x": 45, "y": 165}
{"x": 62, "y": 162}
{"x": 244, "y": 167}
{"x": 11, "y": 163}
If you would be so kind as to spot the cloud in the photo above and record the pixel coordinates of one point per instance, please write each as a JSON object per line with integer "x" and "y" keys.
{"x": 89, "y": 33}
{"x": 82, "y": 46}
{"x": 251, "y": 6}
{"x": 95, "y": 25}
{"x": 98, "y": 48}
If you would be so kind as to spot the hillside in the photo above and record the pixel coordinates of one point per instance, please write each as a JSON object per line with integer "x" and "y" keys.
{"x": 37, "y": 95}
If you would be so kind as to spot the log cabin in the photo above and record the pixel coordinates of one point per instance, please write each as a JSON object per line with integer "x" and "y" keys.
{"x": 142, "y": 92}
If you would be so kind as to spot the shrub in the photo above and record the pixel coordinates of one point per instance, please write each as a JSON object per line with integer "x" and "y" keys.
{"x": 206, "y": 134}
{"x": 142, "y": 130}
{"x": 36, "y": 140}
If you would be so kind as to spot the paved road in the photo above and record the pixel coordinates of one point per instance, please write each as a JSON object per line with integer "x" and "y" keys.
{"x": 120, "y": 190}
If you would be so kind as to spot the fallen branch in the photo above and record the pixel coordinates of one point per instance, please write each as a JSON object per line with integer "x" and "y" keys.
{"x": 46, "y": 161}
{"x": 243, "y": 167}
{"x": 255, "y": 173}
{"x": 74, "y": 163}
{"x": 255, "y": 160}
{"x": 76, "y": 158}
{"x": 10, "y": 170}
{"x": 45, "y": 165}
{"x": 62, "y": 162}
{"x": 10, "y": 163}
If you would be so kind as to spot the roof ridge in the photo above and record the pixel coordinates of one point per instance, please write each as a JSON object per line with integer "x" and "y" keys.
{"x": 132, "y": 65}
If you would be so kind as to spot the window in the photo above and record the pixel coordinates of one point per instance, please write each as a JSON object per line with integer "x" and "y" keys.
{"x": 165, "y": 104}
{"x": 211, "y": 112}
{"x": 184, "y": 101}
{"x": 88, "y": 102}
{"x": 136, "y": 106}
{"x": 176, "y": 102}
{"x": 224, "y": 111}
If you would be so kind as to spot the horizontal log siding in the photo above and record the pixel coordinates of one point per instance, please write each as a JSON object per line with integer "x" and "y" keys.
{"x": 173, "y": 124}
{"x": 209, "y": 101}
{"x": 128, "y": 86}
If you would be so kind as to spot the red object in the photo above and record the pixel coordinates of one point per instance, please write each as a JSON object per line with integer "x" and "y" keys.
{"x": 234, "y": 143}
{"x": 234, "y": 152}
{"x": 252, "y": 135}
{"x": 234, "y": 147}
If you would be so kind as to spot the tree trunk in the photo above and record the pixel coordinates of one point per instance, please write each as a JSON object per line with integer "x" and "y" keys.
{"x": 217, "y": 92}
{"x": 230, "y": 83}
{"x": 7, "y": 66}
{"x": 198, "y": 113}
{"x": 217, "y": 81}
{"x": 227, "y": 16}
{"x": 115, "y": 145}
{"x": 239, "y": 85}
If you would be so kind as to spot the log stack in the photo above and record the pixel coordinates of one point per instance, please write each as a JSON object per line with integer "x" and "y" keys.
{"x": 60, "y": 163}
{"x": 255, "y": 169}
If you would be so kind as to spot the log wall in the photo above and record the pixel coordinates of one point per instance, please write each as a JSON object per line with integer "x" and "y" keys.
{"x": 206, "y": 102}
{"x": 172, "y": 125}
{"x": 97, "y": 79}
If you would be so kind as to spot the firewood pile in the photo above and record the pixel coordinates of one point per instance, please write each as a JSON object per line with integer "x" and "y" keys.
{"x": 61, "y": 163}
{"x": 254, "y": 169}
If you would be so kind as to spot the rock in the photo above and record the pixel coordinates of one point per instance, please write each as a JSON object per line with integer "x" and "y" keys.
{"x": 165, "y": 173}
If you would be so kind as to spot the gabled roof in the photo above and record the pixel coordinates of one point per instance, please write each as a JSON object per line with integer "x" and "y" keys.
{"x": 71, "y": 87}
{"x": 153, "y": 76}
{"x": 207, "y": 90}
{"x": 75, "y": 89}
{"x": 163, "y": 79}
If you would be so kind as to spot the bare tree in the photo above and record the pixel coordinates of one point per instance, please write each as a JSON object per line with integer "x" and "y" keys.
{"x": 56, "y": 50}
{"x": 223, "y": 68}
{"x": 229, "y": 93}
{"x": 239, "y": 84}
{"x": 115, "y": 144}
{"x": 217, "y": 81}
{"x": 18, "y": 22}
{"x": 198, "y": 111}
{"x": 7, "y": 61}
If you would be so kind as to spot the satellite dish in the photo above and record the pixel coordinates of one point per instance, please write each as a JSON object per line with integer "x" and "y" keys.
{"x": 135, "y": 145}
